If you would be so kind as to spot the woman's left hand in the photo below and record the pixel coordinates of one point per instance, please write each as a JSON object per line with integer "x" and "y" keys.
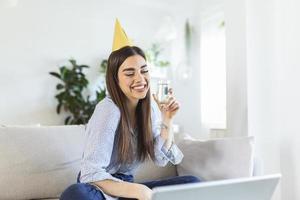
{"x": 170, "y": 108}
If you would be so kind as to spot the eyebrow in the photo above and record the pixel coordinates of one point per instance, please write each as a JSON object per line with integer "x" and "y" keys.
{"x": 133, "y": 69}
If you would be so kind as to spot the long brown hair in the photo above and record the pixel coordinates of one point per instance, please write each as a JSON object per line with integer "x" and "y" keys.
{"x": 125, "y": 140}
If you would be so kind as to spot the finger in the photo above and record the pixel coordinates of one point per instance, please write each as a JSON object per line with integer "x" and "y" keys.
{"x": 170, "y": 99}
{"x": 164, "y": 107}
{"x": 171, "y": 103}
{"x": 175, "y": 107}
{"x": 161, "y": 106}
{"x": 155, "y": 98}
{"x": 170, "y": 91}
{"x": 174, "y": 112}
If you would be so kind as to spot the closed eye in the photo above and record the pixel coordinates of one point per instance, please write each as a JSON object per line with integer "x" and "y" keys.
{"x": 129, "y": 74}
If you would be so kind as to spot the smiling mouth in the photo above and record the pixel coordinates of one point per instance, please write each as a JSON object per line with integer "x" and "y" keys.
{"x": 139, "y": 88}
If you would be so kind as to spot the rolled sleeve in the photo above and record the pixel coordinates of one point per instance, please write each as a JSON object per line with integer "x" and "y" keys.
{"x": 173, "y": 154}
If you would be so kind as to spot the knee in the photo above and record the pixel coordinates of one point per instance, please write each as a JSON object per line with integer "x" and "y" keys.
{"x": 79, "y": 191}
{"x": 72, "y": 192}
{"x": 191, "y": 179}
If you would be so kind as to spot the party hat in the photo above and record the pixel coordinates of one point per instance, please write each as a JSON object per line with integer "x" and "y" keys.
{"x": 120, "y": 37}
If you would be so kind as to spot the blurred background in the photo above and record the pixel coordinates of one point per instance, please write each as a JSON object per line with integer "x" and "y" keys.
{"x": 234, "y": 65}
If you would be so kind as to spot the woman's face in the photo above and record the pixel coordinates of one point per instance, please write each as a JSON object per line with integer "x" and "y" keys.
{"x": 134, "y": 78}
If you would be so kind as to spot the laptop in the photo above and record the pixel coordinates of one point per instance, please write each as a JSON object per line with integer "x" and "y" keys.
{"x": 253, "y": 188}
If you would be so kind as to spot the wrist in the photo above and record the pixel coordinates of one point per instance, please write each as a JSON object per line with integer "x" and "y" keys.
{"x": 164, "y": 130}
{"x": 167, "y": 121}
{"x": 139, "y": 190}
{"x": 142, "y": 191}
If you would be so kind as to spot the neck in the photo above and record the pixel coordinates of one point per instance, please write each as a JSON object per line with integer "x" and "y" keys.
{"x": 131, "y": 105}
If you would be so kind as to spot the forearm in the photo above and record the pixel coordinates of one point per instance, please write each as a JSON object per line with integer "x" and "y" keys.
{"x": 166, "y": 132}
{"x": 121, "y": 189}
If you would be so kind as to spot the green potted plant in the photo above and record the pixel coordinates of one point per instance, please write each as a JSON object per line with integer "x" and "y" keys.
{"x": 70, "y": 92}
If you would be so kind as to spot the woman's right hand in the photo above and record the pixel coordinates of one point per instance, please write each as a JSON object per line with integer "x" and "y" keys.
{"x": 145, "y": 193}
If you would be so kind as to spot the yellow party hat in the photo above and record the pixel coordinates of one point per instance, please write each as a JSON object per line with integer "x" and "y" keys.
{"x": 120, "y": 37}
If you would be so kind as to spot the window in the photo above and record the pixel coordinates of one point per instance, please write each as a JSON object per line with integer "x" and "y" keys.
{"x": 213, "y": 71}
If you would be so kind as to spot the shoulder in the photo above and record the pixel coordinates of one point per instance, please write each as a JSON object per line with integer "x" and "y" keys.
{"x": 107, "y": 109}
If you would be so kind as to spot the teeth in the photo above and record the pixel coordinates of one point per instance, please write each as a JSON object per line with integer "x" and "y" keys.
{"x": 139, "y": 87}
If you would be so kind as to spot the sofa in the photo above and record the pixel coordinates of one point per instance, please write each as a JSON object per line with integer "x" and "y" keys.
{"x": 39, "y": 162}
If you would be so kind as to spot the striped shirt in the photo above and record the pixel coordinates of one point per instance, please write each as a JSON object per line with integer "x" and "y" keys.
{"x": 100, "y": 145}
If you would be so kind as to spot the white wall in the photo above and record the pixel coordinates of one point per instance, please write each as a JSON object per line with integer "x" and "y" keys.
{"x": 273, "y": 46}
{"x": 236, "y": 70}
{"x": 38, "y": 36}
{"x": 188, "y": 91}
{"x": 288, "y": 96}
{"x": 261, "y": 64}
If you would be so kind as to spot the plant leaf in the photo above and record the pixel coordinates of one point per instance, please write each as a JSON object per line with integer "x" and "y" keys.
{"x": 67, "y": 120}
{"x": 55, "y": 75}
{"x": 73, "y": 62}
{"x": 83, "y": 66}
{"x": 58, "y": 107}
{"x": 59, "y": 86}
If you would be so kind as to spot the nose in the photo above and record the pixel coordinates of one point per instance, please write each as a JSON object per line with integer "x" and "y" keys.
{"x": 139, "y": 77}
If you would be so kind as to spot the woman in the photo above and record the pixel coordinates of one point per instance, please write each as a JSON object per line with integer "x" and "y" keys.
{"x": 125, "y": 129}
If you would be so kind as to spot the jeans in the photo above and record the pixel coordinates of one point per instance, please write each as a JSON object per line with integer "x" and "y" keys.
{"x": 85, "y": 191}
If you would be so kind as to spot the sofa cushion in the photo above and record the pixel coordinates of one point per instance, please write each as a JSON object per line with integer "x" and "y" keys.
{"x": 148, "y": 171}
{"x": 39, "y": 162}
{"x": 216, "y": 159}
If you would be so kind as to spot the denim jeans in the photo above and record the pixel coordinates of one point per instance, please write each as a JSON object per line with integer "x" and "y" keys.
{"x": 85, "y": 191}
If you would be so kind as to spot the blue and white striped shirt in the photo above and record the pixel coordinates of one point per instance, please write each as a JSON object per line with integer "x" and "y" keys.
{"x": 100, "y": 148}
